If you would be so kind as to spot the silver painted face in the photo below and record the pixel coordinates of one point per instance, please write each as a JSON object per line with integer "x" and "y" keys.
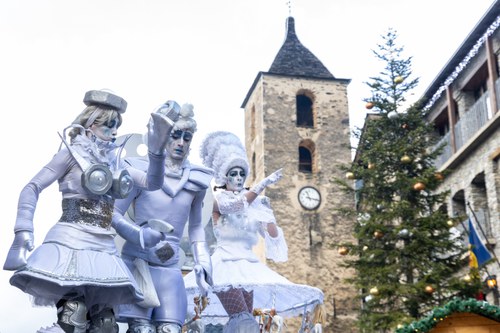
{"x": 105, "y": 132}
{"x": 236, "y": 179}
{"x": 178, "y": 144}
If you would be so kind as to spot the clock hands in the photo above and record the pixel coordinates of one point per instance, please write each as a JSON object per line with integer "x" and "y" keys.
{"x": 315, "y": 199}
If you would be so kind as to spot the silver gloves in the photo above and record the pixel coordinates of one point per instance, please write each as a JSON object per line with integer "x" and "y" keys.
{"x": 160, "y": 125}
{"x": 269, "y": 180}
{"x": 203, "y": 266}
{"x": 143, "y": 236}
{"x": 16, "y": 258}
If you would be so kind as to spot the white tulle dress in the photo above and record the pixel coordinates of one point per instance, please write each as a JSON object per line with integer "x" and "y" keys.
{"x": 235, "y": 265}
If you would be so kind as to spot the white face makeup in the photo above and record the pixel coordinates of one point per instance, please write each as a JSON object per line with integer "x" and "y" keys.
{"x": 104, "y": 132}
{"x": 178, "y": 144}
{"x": 236, "y": 179}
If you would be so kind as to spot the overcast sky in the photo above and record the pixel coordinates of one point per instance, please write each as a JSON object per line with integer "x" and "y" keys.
{"x": 203, "y": 52}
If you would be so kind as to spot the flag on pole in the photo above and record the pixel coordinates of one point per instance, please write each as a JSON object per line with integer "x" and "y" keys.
{"x": 479, "y": 254}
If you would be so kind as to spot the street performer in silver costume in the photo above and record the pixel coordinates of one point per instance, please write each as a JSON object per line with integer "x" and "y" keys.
{"x": 180, "y": 198}
{"x": 78, "y": 267}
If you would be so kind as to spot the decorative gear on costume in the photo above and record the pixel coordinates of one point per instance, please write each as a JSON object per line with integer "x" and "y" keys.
{"x": 140, "y": 326}
{"x": 168, "y": 328}
{"x": 103, "y": 322}
{"x": 72, "y": 316}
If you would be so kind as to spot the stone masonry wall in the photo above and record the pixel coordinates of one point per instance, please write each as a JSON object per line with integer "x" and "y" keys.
{"x": 309, "y": 234}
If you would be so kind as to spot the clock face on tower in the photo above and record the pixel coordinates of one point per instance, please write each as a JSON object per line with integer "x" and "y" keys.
{"x": 309, "y": 197}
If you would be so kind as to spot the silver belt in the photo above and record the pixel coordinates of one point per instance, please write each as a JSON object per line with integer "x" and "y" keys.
{"x": 96, "y": 213}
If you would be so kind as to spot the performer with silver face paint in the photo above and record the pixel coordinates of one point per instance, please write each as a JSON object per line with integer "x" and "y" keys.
{"x": 77, "y": 267}
{"x": 242, "y": 283}
{"x": 179, "y": 199}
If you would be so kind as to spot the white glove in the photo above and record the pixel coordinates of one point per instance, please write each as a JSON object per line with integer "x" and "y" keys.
{"x": 200, "y": 280}
{"x": 269, "y": 180}
{"x": 202, "y": 259}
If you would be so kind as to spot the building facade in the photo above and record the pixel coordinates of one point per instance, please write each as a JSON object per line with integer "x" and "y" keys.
{"x": 296, "y": 118}
{"x": 463, "y": 103}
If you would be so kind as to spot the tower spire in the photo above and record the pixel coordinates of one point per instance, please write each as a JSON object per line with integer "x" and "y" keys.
{"x": 295, "y": 59}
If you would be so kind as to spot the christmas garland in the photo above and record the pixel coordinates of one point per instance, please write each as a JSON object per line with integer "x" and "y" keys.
{"x": 457, "y": 305}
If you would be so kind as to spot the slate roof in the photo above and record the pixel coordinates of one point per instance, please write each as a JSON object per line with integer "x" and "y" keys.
{"x": 294, "y": 59}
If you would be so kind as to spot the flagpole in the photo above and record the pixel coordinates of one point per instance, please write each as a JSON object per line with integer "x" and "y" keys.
{"x": 484, "y": 234}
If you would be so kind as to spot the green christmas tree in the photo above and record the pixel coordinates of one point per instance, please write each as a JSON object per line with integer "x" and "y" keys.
{"x": 405, "y": 257}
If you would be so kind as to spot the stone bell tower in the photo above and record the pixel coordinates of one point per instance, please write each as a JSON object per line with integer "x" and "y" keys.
{"x": 296, "y": 118}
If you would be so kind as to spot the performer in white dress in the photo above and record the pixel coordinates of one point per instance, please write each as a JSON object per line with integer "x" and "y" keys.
{"x": 242, "y": 282}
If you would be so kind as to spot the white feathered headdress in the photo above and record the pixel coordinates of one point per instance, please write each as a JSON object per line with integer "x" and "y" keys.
{"x": 222, "y": 151}
{"x": 186, "y": 119}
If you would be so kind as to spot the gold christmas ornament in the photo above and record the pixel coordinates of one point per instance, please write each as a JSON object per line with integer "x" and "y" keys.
{"x": 378, "y": 234}
{"x": 369, "y": 105}
{"x": 398, "y": 79}
{"x": 429, "y": 289}
{"x": 406, "y": 159}
{"x": 450, "y": 223}
{"x": 374, "y": 291}
{"x": 467, "y": 278}
{"x": 349, "y": 175}
{"x": 343, "y": 250}
{"x": 365, "y": 248}
{"x": 439, "y": 176}
{"x": 405, "y": 126}
{"x": 371, "y": 166}
{"x": 419, "y": 186}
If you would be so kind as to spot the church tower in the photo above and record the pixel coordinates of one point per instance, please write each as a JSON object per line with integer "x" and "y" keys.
{"x": 296, "y": 118}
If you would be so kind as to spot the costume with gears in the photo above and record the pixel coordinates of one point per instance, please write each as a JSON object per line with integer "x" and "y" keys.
{"x": 77, "y": 267}
{"x": 180, "y": 199}
{"x": 241, "y": 281}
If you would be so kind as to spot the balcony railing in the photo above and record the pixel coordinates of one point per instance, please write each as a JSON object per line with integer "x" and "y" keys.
{"x": 467, "y": 126}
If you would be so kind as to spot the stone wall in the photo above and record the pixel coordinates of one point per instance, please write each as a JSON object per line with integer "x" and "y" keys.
{"x": 313, "y": 260}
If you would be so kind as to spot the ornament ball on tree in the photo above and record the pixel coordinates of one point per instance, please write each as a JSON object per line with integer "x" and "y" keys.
{"x": 429, "y": 289}
{"x": 398, "y": 79}
{"x": 406, "y": 159}
{"x": 419, "y": 186}
{"x": 343, "y": 250}
{"x": 439, "y": 176}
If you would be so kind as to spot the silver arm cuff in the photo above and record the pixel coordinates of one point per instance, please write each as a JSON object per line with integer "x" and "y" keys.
{"x": 202, "y": 257}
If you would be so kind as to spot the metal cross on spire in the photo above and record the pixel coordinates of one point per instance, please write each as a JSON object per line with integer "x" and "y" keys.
{"x": 289, "y": 4}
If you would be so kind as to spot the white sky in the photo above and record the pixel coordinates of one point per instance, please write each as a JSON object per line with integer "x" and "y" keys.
{"x": 203, "y": 52}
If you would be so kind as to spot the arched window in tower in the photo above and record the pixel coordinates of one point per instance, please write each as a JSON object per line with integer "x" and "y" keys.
{"x": 304, "y": 105}
{"x": 306, "y": 156}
